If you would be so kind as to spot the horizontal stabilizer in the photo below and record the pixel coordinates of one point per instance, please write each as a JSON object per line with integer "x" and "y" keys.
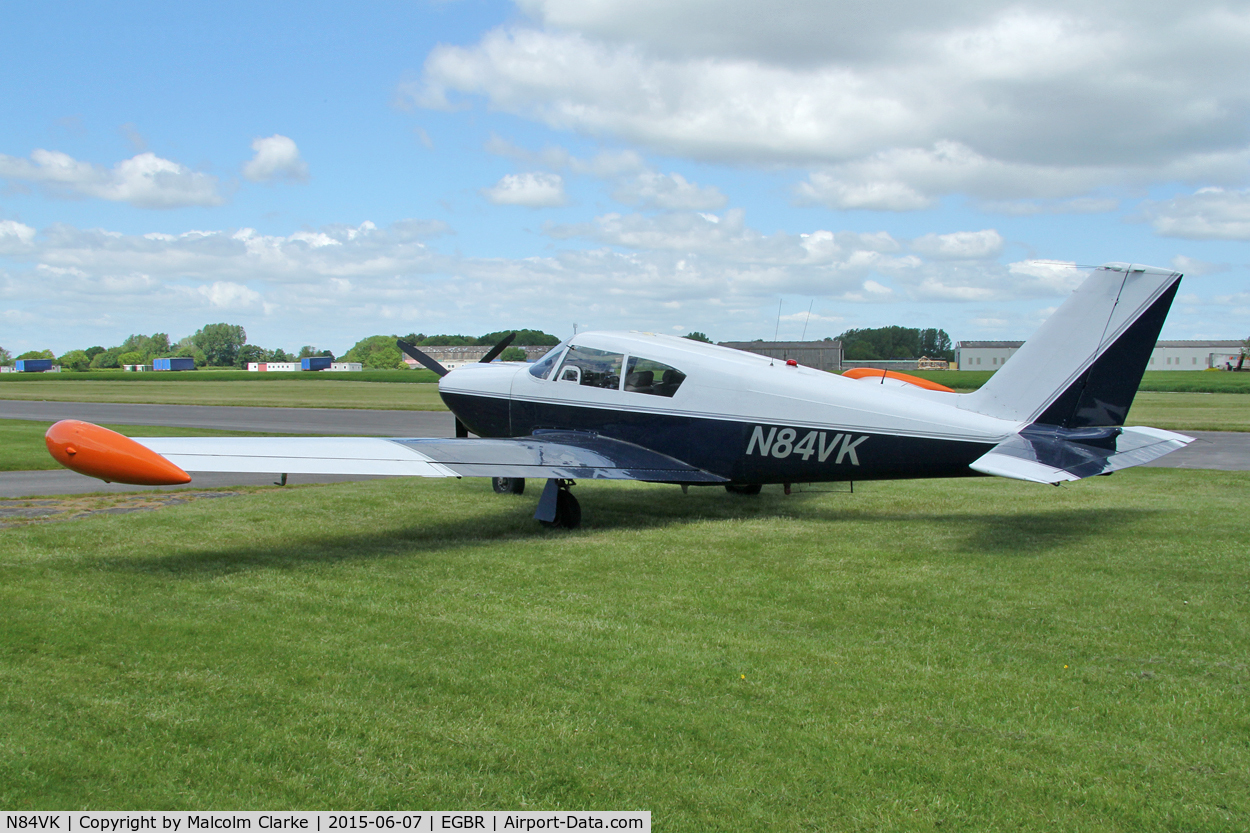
{"x": 1045, "y": 454}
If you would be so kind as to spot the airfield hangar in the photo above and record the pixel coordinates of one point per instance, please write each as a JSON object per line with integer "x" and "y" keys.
{"x": 823, "y": 355}
{"x": 452, "y": 357}
{"x": 1167, "y": 355}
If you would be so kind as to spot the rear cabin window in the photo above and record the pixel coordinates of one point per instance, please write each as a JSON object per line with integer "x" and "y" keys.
{"x": 590, "y": 367}
{"x": 649, "y": 376}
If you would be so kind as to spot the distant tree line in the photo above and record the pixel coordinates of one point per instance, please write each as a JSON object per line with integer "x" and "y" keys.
{"x": 884, "y": 343}
{"x": 226, "y": 345}
{"x": 213, "y": 345}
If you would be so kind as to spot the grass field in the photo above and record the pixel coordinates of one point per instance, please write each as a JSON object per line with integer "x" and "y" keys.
{"x": 22, "y": 447}
{"x": 223, "y": 375}
{"x": 313, "y": 393}
{"x": 1174, "y": 411}
{"x": 1191, "y": 411}
{"x": 957, "y": 655}
{"x": 1175, "y": 381}
{"x": 1179, "y": 381}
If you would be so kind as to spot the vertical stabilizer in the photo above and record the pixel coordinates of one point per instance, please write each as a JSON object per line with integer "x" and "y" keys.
{"x": 1083, "y": 365}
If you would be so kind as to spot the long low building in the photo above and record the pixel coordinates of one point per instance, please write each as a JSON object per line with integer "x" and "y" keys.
{"x": 1167, "y": 355}
{"x": 455, "y": 356}
{"x": 822, "y": 355}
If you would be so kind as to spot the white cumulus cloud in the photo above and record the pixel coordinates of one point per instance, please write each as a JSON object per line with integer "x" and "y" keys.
{"x": 14, "y": 235}
{"x": 828, "y": 189}
{"x": 229, "y": 295}
{"x": 277, "y": 157}
{"x": 1207, "y": 214}
{"x": 145, "y": 180}
{"x": 534, "y": 189}
{"x": 960, "y": 245}
{"x": 671, "y": 192}
{"x": 892, "y": 107}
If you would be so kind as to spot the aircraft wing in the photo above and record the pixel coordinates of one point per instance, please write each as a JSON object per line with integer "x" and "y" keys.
{"x": 1049, "y": 455}
{"x": 571, "y": 455}
{"x": 98, "y": 452}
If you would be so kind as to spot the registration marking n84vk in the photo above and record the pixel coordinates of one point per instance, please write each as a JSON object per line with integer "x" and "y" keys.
{"x": 781, "y": 444}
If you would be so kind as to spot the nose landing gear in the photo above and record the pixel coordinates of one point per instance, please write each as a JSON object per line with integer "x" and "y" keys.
{"x": 557, "y": 507}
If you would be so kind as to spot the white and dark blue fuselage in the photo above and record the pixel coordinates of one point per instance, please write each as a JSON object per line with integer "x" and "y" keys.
{"x": 738, "y": 415}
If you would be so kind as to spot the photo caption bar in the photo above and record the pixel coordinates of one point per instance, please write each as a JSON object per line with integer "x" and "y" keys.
{"x": 115, "y": 821}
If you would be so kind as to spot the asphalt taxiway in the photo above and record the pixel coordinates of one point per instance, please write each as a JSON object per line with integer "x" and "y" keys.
{"x": 352, "y": 421}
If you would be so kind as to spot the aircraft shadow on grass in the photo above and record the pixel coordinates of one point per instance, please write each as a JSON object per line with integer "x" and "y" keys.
{"x": 1028, "y": 534}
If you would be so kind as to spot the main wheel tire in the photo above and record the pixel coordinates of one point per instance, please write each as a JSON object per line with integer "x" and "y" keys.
{"x": 568, "y": 511}
{"x": 742, "y": 488}
{"x": 508, "y": 485}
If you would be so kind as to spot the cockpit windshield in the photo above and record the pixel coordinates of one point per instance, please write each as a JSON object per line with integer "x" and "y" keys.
{"x": 591, "y": 367}
{"x": 602, "y": 369}
{"x": 542, "y": 367}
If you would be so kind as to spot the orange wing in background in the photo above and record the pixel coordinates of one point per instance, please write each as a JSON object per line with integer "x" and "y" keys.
{"x": 874, "y": 373}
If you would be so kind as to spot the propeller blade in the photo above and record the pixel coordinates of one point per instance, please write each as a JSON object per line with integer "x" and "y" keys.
{"x": 462, "y": 430}
{"x": 421, "y": 357}
{"x": 498, "y": 348}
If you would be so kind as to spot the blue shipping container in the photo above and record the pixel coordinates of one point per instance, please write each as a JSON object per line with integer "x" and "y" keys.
{"x": 33, "y": 365}
{"x": 315, "y": 363}
{"x": 174, "y": 363}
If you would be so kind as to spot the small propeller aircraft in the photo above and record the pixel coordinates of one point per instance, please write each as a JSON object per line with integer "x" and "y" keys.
{"x": 639, "y": 406}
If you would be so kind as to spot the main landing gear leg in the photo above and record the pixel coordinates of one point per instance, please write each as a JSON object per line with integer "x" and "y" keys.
{"x": 557, "y": 507}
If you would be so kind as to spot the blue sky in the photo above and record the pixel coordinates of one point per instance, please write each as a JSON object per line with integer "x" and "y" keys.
{"x": 320, "y": 173}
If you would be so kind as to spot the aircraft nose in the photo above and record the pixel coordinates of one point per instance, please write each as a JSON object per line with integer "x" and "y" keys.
{"x": 477, "y": 378}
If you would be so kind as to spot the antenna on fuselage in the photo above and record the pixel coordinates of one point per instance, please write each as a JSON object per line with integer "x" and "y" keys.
{"x": 777, "y": 329}
{"x": 809, "y": 318}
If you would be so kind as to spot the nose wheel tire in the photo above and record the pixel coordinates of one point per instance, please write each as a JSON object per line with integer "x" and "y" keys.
{"x": 742, "y": 488}
{"x": 508, "y": 485}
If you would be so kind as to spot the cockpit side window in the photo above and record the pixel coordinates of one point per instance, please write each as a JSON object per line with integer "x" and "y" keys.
{"x": 649, "y": 376}
{"x": 542, "y": 367}
{"x": 594, "y": 368}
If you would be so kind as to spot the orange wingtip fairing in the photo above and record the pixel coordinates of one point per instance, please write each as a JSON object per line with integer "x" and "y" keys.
{"x": 874, "y": 373}
{"x": 98, "y": 452}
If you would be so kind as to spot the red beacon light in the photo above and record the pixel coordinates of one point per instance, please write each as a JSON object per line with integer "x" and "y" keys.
{"x": 791, "y": 363}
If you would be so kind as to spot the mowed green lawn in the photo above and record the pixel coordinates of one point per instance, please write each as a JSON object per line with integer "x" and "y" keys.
{"x": 1174, "y": 411}
{"x": 1175, "y": 381}
{"x": 957, "y": 655}
{"x": 275, "y": 394}
{"x": 22, "y": 447}
{"x": 1191, "y": 411}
